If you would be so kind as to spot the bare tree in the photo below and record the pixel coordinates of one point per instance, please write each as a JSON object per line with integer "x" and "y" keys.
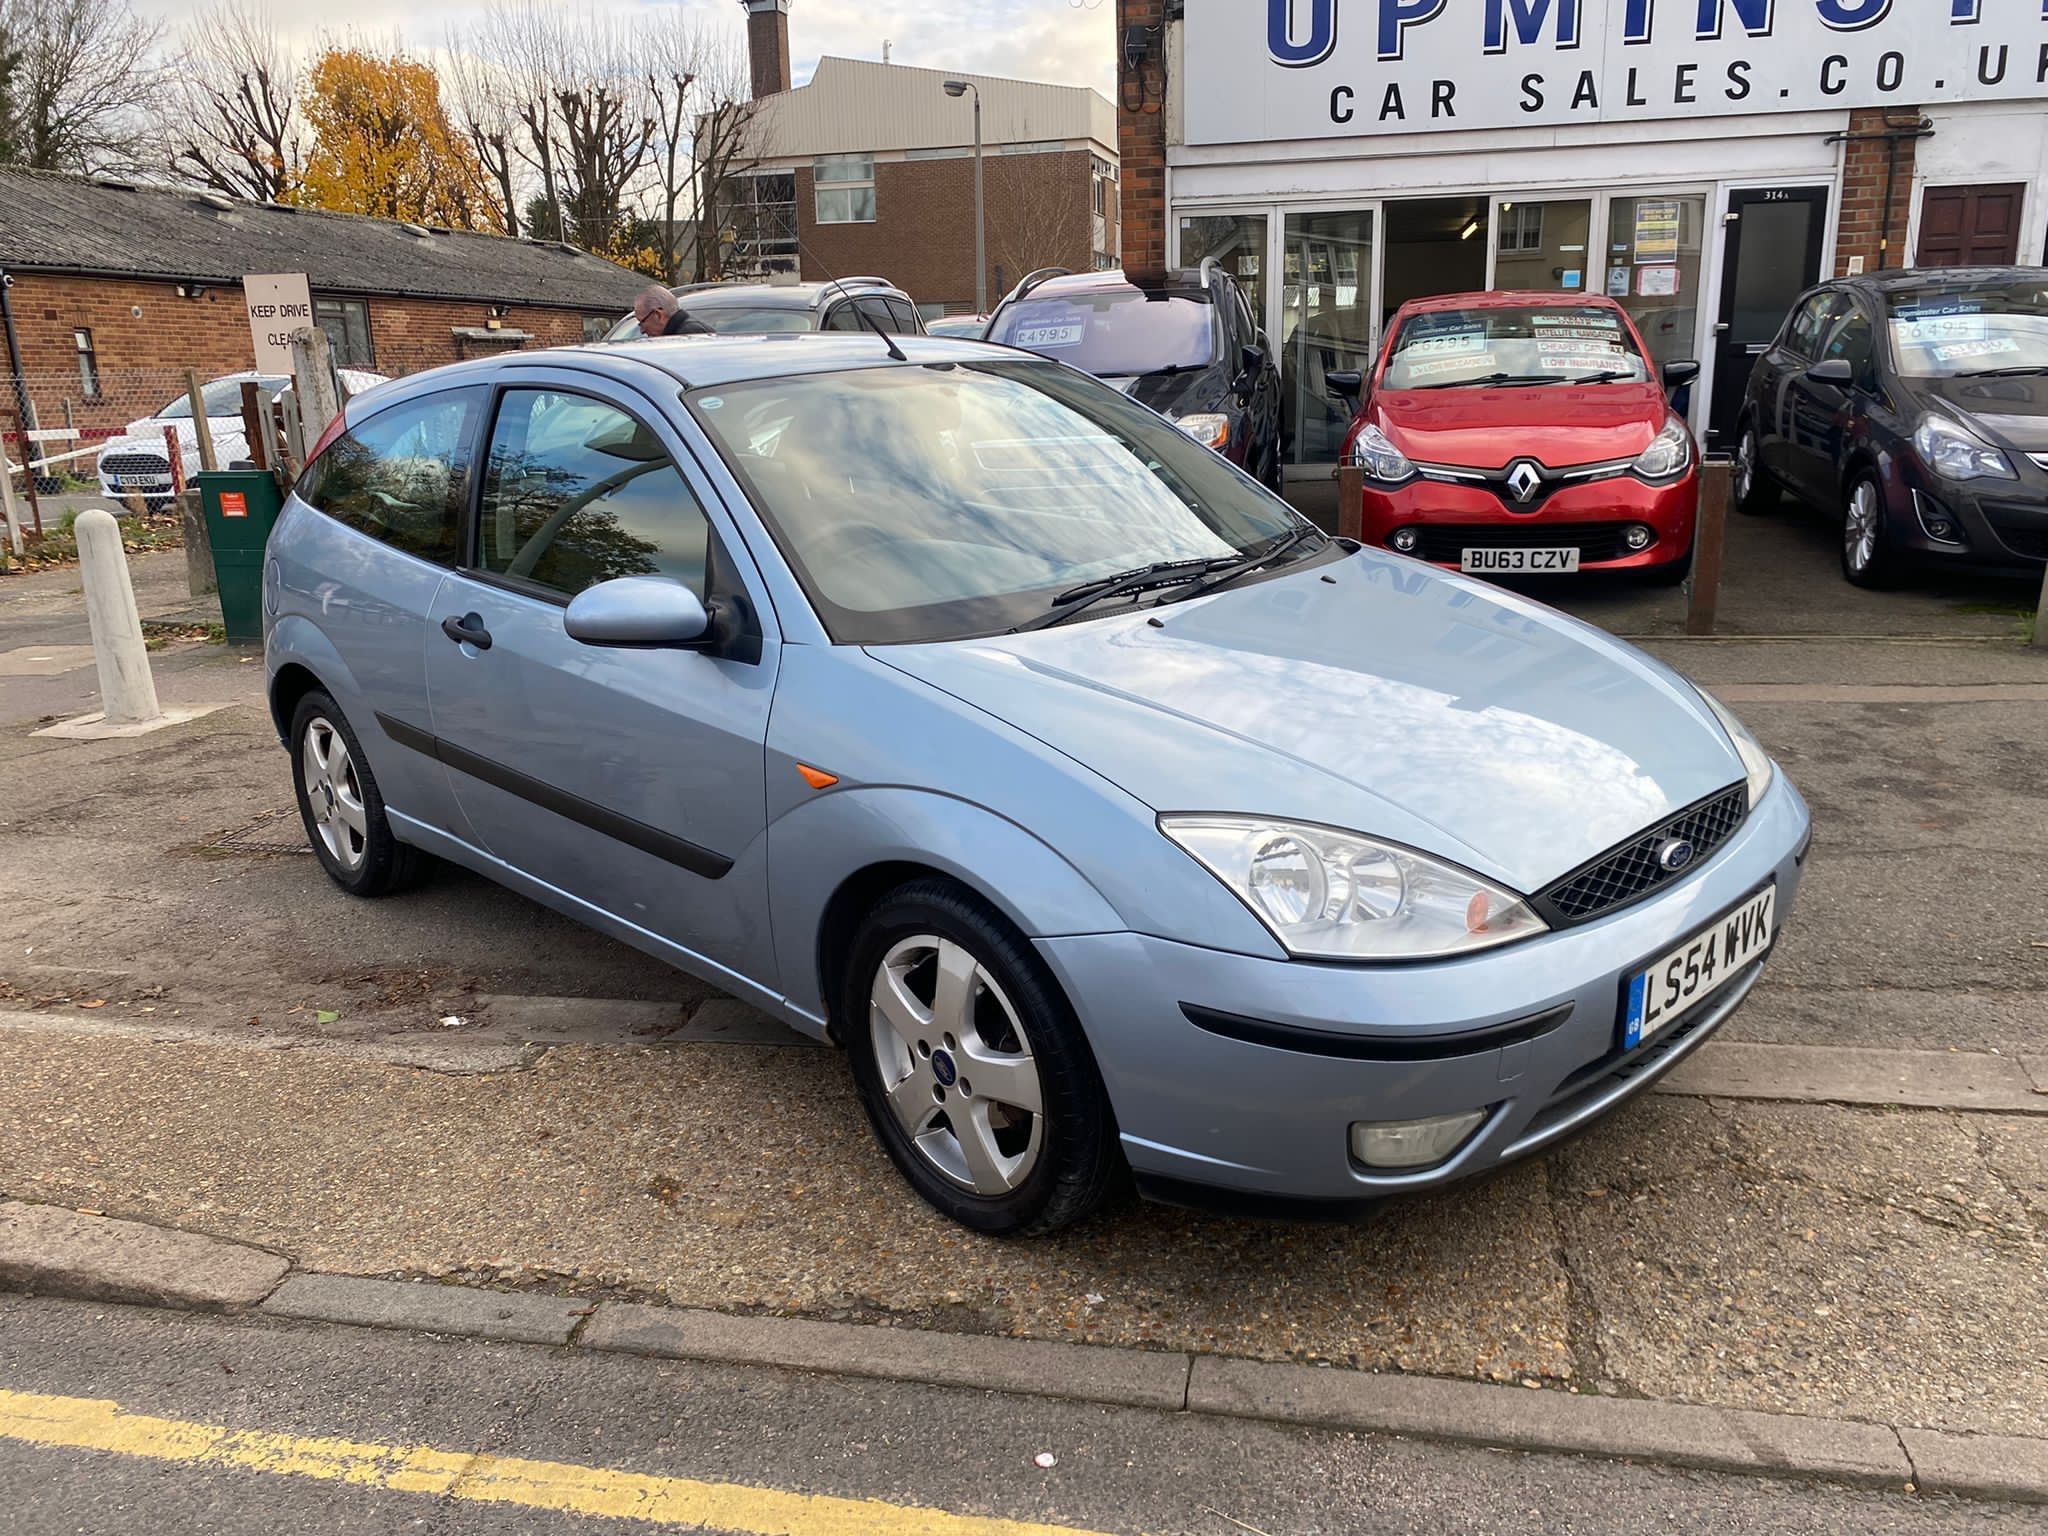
{"x": 723, "y": 154}
{"x": 1038, "y": 215}
{"x": 481, "y": 103}
{"x": 86, "y": 78}
{"x": 232, "y": 123}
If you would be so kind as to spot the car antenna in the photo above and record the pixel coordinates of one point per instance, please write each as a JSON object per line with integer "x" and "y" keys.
{"x": 867, "y": 319}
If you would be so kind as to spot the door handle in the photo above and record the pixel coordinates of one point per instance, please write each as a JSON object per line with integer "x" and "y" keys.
{"x": 467, "y": 630}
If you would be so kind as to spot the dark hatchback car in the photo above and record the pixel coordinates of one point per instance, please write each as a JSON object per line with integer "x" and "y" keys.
{"x": 1913, "y": 406}
{"x": 1187, "y": 346}
{"x": 768, "y": 309}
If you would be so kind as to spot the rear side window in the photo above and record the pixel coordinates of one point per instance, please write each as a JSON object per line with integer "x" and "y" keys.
{"x": 400, "y": 475}
{"x": 843, "y": 319}
{"x": 903, "y": 319}
{"x": 577, "y": 492}
{"x": 1808, "y": 321}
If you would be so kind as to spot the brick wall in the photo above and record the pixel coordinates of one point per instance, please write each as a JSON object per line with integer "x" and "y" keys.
{"x": 1141, "y": 139}
{"x": 1860, "y": 229}
{"x": 141, "y": 357}
{"x": 1039, "y": 214}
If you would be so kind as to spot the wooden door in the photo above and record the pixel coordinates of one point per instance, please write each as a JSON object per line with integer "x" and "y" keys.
{"x": 1970, "y": 226}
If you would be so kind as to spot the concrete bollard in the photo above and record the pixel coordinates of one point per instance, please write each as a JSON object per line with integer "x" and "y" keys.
{"x": 127, "y": 690}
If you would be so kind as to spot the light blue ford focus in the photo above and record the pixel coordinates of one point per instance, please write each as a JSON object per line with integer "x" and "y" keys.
{"x": 949, "y": 705}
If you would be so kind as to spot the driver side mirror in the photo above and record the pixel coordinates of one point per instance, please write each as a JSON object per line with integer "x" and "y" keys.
{"x": 1250, "y": 360}
{"x": 1683, "y": 371}
{"x": 642, "y": 611}
{"x": 1346, "y": 383}
{"x": 1833, "y": 370}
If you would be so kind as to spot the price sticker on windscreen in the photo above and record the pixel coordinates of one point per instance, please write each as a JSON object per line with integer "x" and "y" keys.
{"x": 234, "y": 504}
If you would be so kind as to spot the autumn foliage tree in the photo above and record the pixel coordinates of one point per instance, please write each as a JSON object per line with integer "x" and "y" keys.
{"x": 384, "y": 146}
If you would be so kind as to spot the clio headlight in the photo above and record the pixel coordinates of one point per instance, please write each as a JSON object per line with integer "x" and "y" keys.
{"x": 1374, "y": 452}
{"x": 1669, "y": 453}
{"x": 1336, "y": 895}
{"x": 1756, "y": 763}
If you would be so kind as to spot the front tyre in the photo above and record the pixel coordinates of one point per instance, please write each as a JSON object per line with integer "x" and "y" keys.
{"x": 1866, "y": 543}
{"x": 1750, "y": 487}
{"x": 341, "y": 806}
{"x": 972, "y": 1067}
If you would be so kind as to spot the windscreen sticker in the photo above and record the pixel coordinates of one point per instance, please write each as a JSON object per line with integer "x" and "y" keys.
{"x": 1429, "y": 367}
{"x": 1940, "y": 330}
{"x": 1988, "y": 346}
{"x": 1578, "y": 362}
{"x": 1578, "y": 345}
{"x": 1597, "y": 321}
{"x": 1450, "y": 344}
{"x": 1061, "y": 328}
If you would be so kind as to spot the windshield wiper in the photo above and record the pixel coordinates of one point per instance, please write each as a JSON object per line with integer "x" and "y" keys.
{"x": 1161, "y": 573}
{"x": 1251, "y": 560}
{"x": 2003, "y": 373}
{"x": 1605, "y": 376}
{"x": 1170, "y": 369}
{"x": 1492, "y": 378}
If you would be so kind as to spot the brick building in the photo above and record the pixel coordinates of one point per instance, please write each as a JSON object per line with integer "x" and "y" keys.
{"x": 112, "y": 290}
{"x": 1701, "y": 162}
{"x": 869, "y": 169}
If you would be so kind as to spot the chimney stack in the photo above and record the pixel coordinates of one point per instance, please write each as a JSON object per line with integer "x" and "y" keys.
{"x": 768, "y": 45}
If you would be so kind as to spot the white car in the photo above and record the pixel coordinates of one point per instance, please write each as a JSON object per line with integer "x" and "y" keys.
{"x": 139, "y": 463}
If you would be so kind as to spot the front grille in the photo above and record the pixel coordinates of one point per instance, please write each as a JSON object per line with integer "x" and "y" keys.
{"x": 1630, "y": 872}
{"x": 1446, "y": 542}
{"x": 135, "y": 464}
{"x": 2021, "y": 527}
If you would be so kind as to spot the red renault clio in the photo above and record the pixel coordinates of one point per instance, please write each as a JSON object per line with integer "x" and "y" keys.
{"x": 1523, "y": 433}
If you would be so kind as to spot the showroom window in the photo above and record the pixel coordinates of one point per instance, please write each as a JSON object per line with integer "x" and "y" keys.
{"x": 846, "y": 189}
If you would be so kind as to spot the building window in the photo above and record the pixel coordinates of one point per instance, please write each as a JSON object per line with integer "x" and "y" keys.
{"x": 846, "y": 189}
{"x": 347, "y": 324}
{"x": 1104, "y": 262}
{"x": 88, "y": 364}
{"x": 1521, "y": 226}
{"x": 597, "y": 327}
{"x": 760, "y": 223}
{"x": 1104, "y": 176}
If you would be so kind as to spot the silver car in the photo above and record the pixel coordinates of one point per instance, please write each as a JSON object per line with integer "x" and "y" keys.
{"x": 948, "y": 705}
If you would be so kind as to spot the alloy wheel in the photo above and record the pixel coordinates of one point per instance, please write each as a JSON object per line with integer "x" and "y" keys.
{"x": 1745, "y": 464}
{"x": 957, "y": 1071}
{"x": 334, "y": 793}
{"x": 1860, "y": 527}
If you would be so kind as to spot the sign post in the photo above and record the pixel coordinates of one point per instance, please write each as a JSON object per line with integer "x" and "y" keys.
{"x": 1703, "y": 590}
{"x": 280, "y": 303}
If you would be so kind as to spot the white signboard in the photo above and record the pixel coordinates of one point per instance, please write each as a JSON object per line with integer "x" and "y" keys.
{"x": 1264, "y": 70}
{"x": 279, "y": 304}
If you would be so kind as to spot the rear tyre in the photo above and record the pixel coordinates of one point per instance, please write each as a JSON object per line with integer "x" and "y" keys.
{"x": 1751, "y": 488}
{"x": 1867, "y": 559}
{"x": 972, "y": 1067}
{"x": 341, "y": 806}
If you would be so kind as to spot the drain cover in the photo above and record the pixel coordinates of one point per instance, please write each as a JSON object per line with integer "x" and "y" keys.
{"x": 272, "y": 832}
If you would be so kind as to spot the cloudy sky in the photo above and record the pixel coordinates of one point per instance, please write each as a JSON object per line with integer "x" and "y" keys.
{"x": 1065, "y": 41}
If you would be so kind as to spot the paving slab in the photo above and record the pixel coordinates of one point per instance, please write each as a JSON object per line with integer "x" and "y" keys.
{"x": 1979, "y": 1466}
{"x": 1675, "y": 1433}
{"x": 464, "y": 1310}
{"x": 1128, "y": 1377}
{"x": 1972, "y": 1080}
{"x": 729, "y": 1021}
{"x": 52, "y": 1251}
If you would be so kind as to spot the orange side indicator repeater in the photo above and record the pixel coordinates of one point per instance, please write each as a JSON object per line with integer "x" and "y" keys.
{"x": 817, "y": 778}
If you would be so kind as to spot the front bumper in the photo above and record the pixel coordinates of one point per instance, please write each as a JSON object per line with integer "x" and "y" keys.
{"x": 1992, "y": 523}
{"x": 1199, "y": 1110}
{"x": 1449, "y": 516}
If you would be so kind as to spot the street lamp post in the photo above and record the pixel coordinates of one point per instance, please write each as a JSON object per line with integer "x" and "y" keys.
{"x": 961, "y": 88}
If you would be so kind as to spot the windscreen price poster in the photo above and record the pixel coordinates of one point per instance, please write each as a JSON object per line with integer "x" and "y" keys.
{"x": 1260, "y": 71}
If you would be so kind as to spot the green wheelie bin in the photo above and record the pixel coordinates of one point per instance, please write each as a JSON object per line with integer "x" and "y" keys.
{"x": 241, "y": 506}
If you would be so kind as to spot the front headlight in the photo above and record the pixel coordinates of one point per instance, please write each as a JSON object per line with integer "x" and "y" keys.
{"x": 1336, "y": 895}
{"x": 1670, "y": 451}
{"x": 1205, "y": 427}
{"x": 1376, "y": 454}
{"x": 1954, "y": 452}
{"x": 1757, "y": 767}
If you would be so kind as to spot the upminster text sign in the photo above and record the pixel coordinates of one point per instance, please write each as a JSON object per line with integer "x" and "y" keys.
{"x": 1263, "y": 70}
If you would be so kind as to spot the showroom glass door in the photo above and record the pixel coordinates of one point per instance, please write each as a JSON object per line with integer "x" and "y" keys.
{"x": 1326, "y": 326}
{"x": 1652, "y": 268}
{"x": 1772, "y": 255}
{"x": 1541, "y": 245}
{"x": 1238, "y": 242}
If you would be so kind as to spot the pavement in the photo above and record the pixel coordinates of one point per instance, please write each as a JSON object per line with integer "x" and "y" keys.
{"x": 202, "y": 1034}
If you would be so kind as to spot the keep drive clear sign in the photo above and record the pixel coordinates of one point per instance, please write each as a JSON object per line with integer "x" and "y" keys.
{"x": 1261, "y": 70}
{"x": 279, "y": 304}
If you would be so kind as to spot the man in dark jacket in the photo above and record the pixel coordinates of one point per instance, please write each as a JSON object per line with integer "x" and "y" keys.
{"x": 660, "y": 315}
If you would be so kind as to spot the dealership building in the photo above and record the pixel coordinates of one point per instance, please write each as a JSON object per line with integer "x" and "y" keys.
{"x": 1701, "y": 161}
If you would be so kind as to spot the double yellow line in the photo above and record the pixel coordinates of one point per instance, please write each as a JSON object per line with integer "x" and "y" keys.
{"x": 89, "y": 1424}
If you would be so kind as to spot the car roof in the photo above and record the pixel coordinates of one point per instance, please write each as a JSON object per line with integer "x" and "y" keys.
{"x": 780, "y": 295}
{"x": 713, "y": 361}
{"x": 1180, "y": 281}
{"x": 1946, "y": 277}
{"x": 1510, "y": 298}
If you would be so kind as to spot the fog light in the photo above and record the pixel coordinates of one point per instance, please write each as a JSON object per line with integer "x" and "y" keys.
{"x": 1412, "y": 1143}
{"x": 1936, "y": 520}
{"x": 1405, "y": 540}
{"x": 1637, "y": 537}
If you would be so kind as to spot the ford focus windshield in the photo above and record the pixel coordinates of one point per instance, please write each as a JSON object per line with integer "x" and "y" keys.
{"x": 935, "y": 502}
{"x": 1112, "y": 335}
{"x": 1547, "y": 344}
{"x": 1941, "y": 332}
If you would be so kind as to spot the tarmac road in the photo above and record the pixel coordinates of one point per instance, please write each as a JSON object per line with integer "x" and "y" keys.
{"x": 751, "y": 1450}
